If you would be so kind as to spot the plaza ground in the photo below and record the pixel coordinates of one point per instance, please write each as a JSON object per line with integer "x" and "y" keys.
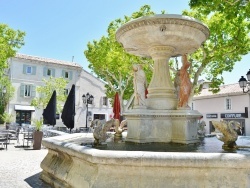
{"x": 20, "y": 167}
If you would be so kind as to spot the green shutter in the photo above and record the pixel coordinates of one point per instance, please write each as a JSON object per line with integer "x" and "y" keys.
{"x": 45, "y": 71}
{"x": 70, "y": 75}
{"x": 33, "y": 91}
{"x": 33, "y": 70}
{"x": 24, "y": 69}
{"x": 63, "y": 73}
{"x": 22, "y": 90}
{"x": 53, "y": 72}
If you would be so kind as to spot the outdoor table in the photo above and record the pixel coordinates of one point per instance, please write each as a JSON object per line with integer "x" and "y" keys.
{"x": 5, "y": 135}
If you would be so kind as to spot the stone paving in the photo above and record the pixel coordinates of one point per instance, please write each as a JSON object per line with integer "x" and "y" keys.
{"x": 20, "y": 167}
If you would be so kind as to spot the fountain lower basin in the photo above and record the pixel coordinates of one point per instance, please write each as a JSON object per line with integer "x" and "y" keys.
{"x": 70, "y": 165}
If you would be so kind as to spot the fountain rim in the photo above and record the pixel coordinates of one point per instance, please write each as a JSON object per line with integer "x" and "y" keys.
{"x": 179, "y": 17}
{"x": 176, "y": 159}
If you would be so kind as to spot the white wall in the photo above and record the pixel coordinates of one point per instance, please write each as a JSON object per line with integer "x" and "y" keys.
{"x": 215, "y": 104}
{"x": 84, "y": 81}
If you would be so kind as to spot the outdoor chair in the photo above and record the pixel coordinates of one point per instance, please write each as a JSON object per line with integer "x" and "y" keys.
{"x": 28, "y": 136}
{"x": 14, "y": 129}
{"x": 4, "y": 139}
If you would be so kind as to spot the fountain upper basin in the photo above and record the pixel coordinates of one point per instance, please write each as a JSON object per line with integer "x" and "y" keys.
{"x": 178, "y": 34}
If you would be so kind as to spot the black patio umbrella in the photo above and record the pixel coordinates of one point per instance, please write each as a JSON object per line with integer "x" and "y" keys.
{"x": 68, "y": 113}
{"x": 49, "y": 113}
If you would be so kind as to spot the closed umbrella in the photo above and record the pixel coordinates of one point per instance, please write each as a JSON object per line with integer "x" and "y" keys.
{"x": 49, "y": 113}
{"x": 116, "y": 107}
{"x": 68, "y": 113}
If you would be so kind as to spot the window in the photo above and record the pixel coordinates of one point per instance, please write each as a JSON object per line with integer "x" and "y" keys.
{"x": 67, "y": 74}
{"x": 66, "y": 91}
{"x": 105, "y": 101}
{"x": 27, "y": 69}
{"x": 48, "y": 72}
{"x": 27, "y": 90}
{"x": 228, "y": 104}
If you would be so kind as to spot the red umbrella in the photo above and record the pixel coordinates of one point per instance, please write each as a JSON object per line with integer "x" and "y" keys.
{"x": 116, "y": 107}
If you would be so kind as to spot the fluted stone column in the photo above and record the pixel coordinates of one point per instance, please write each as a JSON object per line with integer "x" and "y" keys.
{"x": 161, "y": 92}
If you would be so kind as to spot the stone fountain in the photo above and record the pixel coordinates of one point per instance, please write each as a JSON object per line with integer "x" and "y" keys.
{"x": 161, "y": 37}
{"x": 68, "y": 164}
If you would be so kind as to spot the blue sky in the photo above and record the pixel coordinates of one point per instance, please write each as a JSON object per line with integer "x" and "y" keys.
{"x": 60, "y": 29}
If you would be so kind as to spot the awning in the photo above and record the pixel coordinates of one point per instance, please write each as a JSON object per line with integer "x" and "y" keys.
{"x": 24, "y": 108}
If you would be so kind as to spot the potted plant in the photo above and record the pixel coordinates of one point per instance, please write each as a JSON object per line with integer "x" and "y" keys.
{"x": 38, "y": 134}
{"x": 7, "y": 119}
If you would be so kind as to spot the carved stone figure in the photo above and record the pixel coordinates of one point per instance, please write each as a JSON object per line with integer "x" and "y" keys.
{"x": 201, "y": 129}
{"x": 140, "y": 85}
{"x": 120, "y": 128}
{"x": 177, "y": 83}
{"x": 100, "y": 131}
{"x": 229, "y": 132}
{"x": 185, "y": 83}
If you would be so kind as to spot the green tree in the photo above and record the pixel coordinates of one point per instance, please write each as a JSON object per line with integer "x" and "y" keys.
{"x": 230, "y": 8}
{"x": 228, "y": 42}
{"x": 7, "y": 92}
{"x": 45, "y": 93}
{"x": 109, "y": 61}
{"x": 10, "y": 41}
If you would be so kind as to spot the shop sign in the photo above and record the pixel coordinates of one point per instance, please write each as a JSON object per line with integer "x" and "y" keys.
{"x": 233, "y": 115}
{"x": 211, "y": 115}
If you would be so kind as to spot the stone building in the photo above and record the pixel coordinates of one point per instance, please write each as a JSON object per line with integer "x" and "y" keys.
{"x": 27, "y": 72}
{"x": 229, "y": 104}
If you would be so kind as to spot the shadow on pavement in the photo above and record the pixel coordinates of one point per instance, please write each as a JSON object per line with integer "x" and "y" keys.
{"x": 36, "y": 182}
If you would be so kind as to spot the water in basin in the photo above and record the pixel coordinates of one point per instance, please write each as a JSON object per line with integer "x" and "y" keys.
{"x": 205, "y": 145}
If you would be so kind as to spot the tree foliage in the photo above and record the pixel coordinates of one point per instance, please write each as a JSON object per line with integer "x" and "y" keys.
{"x": 45, "y": 93}
{"x": 227, "y": 43}
{"x": 10, "y": 41}
{"x": 7, "y": 92}
{"x": 229, "y": 8}
{"x": 111, "y": 63}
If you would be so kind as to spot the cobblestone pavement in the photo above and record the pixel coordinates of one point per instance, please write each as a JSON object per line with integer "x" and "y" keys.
{"x": 20, "y": 167}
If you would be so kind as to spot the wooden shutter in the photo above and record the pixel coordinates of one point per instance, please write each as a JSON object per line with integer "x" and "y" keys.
{"x": 63, "y": 73}
{"x": 22, "y": 87}
{"x": 24, "y": 69}
{"x": 33, "y": 70}
{"x": 33, "y": 91}
{"x": 45, "y": 71}
{"x": 70, "y": 75}
{"x": 53, "y": 72}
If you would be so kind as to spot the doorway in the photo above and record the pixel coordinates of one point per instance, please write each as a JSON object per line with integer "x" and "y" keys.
{"x": 23, "y": 117}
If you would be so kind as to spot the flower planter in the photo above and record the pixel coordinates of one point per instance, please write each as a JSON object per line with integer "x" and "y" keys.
{"x": 37, "y": 136}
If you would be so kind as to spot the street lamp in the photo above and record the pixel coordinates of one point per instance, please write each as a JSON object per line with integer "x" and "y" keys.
{"x": 244, "y": 83}
{"x": 87, "y": 99}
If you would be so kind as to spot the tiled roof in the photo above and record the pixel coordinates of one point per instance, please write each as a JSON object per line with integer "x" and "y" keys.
{"x": 47, "y": 60}
{"x": 225, "y": 89}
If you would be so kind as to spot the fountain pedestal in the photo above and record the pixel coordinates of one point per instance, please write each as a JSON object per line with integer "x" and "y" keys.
{"x": 146, "y": 126}
{"x": 161, "y": 37}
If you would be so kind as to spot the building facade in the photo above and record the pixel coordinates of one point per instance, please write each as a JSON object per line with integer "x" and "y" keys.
{"x": 27, "y": 73}
{"x": 229, "y": 104}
